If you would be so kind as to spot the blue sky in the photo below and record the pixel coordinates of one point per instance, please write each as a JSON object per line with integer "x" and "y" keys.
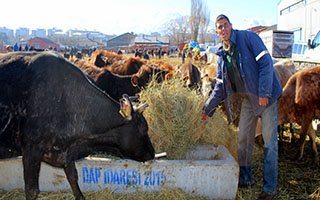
{"x": 120, "y": 16}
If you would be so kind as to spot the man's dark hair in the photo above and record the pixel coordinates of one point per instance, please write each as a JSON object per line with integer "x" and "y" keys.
{"x": 222, "y": 16}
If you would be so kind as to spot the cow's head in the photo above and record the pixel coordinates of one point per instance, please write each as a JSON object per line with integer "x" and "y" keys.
{"x": 190, "y": 74}
{"x": 208, "y": 79}
{"x": 207, "y": 85}
{"x": 145, "y": 75}
{"x": 101, "y": 60}
{"x": 133, "y": 140}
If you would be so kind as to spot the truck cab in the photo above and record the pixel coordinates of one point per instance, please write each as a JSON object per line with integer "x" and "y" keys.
{"x": 313, "y": 51}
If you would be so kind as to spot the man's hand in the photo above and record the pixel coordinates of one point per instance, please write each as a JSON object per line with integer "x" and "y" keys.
{"x": 263, "y": 101}
{"x": 204, "y": 118}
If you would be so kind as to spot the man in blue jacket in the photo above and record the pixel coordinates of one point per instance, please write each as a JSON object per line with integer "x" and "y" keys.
{"x": 245, "y": 68}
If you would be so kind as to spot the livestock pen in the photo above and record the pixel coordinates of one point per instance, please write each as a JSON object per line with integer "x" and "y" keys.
{"x": 297, "y": 179}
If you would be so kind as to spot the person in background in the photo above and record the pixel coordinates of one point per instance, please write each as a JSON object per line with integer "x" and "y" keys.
{"x": 245, "y": 68}
{"x": 16, "y": 47}
{"x": 159, "y": 53}
{"x": 138, "y": 53}
{"x": 146, "y": 54}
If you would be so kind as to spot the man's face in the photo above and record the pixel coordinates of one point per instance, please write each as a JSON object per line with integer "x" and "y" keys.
{"x": 223, "y": 29}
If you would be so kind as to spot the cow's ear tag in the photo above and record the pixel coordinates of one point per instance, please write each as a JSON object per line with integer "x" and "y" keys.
{"x": 122, "y": 114}
{"x": 124, "y": 111}
{"x": 125, "y": 108}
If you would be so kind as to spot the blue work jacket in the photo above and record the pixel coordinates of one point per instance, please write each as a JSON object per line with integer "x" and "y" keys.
{"x": 256, "y": 70}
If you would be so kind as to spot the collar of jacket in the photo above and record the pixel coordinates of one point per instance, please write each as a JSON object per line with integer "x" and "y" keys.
{"x": 233, "y": 39}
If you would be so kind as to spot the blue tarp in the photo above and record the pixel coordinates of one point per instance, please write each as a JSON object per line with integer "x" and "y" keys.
{"x": 194, "y": 45}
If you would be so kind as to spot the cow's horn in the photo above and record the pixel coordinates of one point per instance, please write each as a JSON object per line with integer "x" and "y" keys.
{"x": 133, "y": 98}
{"x": 141, "y": 107}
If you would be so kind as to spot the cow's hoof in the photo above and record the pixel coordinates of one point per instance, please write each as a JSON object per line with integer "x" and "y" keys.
{"x": 32, "y": 194}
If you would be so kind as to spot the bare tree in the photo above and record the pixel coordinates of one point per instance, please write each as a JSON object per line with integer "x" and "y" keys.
{"x": 199, "y": 19}
{"x": 178, "y": 29}
{"x": 189, "y": 28}
{"x": 204, "y": 23}
{"x": 195, "y": 18}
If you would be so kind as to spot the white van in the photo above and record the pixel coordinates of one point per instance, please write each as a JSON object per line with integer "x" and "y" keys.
{"x": 313, "y": 50}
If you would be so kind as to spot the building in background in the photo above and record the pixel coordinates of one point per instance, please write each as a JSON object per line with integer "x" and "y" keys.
{"x": 300, "y": 16}
{"x": 123, "y": 42}
{"x": 149, "y": 42}
{"x": 54, "y": 31}
{"x": 7, "y": 32}
{"x": 43, "y": 43}
{"x": 22, "y": 33}
{"x": 40, "y": 32}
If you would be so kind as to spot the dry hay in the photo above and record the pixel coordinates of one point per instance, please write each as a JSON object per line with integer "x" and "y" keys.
{"x": 316, "y": 194}
{"x": 174, "y": 119}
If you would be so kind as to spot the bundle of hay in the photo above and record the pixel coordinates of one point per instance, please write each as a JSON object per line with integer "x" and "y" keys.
{"x": 174, "y": 118}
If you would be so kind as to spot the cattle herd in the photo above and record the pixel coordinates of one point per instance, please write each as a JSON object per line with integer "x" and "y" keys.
{"x": 57, "y": 111}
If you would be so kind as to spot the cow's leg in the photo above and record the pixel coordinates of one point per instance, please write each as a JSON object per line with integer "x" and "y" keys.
{"x": 31, "y": 158}
{"x": 72, "y": 176}
{"x": 312, "y": 136}
{"x": 303, "y": 133}
{"x": 291, "y": 130}
{"x": 281, "y": 131}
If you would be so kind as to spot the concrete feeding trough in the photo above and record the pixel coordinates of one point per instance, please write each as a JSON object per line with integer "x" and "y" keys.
{"x": 208, "y": 171}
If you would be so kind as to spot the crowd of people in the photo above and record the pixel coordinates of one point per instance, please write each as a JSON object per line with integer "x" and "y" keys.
{"x": 17, "y": 47}
{"x": 145, "y": 53}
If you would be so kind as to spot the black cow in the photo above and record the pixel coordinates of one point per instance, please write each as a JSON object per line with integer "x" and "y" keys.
{"x": 51, "y": 112}
{"x": 116, "y": 85}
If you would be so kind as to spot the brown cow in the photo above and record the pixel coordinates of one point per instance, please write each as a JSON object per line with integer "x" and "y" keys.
{"x": 300, "y": 103}
{"x": 190, "y": 74}
{"x": 208, "y": 79}
{"x": 117, "y": 74}
{"x": 145, "y": 74}
{"x": 162, "y": 66}
{"x": 88, "y": 68}
{"x": 102, "y": 58}
{"x": 285, "y": 69}
{"x": 126, "y": 66}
